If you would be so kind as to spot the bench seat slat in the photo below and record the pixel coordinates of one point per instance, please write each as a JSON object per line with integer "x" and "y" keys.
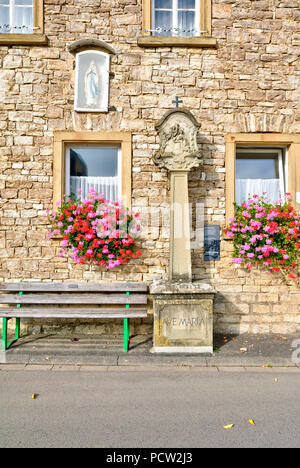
{"x": 73, "y": 313}
{"x": 73, "y": 298}
{"x": 73, "y": 287}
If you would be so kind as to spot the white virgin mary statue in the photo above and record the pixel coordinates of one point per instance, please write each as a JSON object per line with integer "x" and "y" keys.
{"x": 91, "y": 81}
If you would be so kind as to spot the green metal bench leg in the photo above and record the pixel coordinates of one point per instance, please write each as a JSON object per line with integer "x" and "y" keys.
{"x": 126, "y": 335}
{"x": 17, "y": 332}
{"x": 5, "y": 344}
{"x": 4, "y": 334}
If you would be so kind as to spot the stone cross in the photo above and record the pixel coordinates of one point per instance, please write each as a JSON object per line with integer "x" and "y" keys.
{"x": 177, "y": 102}
{"x": 179, "y": 153}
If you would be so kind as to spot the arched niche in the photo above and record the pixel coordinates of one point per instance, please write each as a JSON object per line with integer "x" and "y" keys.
{"x": 92, "y": 74}
{"x": 92, "y": 81}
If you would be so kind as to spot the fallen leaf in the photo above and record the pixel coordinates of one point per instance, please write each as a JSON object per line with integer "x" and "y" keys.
{"x": 276, "y": 380}
{"x": 243, "y": 350}
{"x": 229, "y": 426}
{"x": 34, "y": 396}
{"x": 252, "y": 422}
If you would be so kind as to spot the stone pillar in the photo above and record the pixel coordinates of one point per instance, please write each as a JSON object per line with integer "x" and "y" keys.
{"x": 183, "y": 310}
{"x": 180, "y": 266}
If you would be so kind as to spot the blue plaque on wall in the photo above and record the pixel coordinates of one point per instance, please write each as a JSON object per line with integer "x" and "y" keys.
{"x": 212, "y": 240}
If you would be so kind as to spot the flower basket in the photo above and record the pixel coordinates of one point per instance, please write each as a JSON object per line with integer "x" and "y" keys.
{"x": 267, "y": 234}
{"x": 95, "y": 231}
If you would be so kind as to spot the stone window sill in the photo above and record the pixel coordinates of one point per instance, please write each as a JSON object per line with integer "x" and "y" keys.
{"x": 161, "y": 41}
{"x": 23, "y": 39}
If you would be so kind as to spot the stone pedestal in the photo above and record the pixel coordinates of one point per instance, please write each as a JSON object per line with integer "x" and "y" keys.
{"x": 183, "y": 317}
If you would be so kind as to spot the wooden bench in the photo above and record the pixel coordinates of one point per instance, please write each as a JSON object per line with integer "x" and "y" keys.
{"x": 71, "y": 300}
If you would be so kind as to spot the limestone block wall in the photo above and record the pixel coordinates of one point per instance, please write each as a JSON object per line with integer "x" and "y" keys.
{"x": 249, "y": 83}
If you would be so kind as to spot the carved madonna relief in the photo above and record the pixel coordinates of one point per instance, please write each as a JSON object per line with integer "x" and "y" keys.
{"x": 179, "y": 150}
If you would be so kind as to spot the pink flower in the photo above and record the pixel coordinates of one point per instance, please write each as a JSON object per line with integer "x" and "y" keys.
{"x": 237, "y": 260}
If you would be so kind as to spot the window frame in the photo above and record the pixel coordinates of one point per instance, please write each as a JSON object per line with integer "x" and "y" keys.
{"x": 37, "y": 37}
{"x": 282, "y": 157}
{"x": 64, "y": 139}
{"x": 290, "y": 142}
{"x": 147, "y": 39}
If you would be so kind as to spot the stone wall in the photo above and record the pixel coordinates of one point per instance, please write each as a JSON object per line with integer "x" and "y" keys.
{"x": 249, "y": 83}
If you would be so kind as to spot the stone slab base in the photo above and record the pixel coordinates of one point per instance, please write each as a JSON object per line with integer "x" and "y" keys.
{"x": 183, "y": 349}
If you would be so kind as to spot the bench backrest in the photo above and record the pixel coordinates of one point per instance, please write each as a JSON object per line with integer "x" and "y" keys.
{"x": 70, "y": 287}
{"x": 47, "y": 299}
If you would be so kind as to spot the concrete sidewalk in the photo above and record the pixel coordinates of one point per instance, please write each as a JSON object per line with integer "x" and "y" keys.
{"x": 245, "y": 350}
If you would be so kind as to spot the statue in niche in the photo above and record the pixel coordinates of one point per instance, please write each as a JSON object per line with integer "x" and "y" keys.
{"x": 92, "y": 85}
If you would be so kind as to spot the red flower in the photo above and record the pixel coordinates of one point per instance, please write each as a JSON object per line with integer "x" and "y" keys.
{"x": 89, "y": 241}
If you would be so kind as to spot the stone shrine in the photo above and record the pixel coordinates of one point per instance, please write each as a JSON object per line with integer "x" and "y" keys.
{"x": 183, "y": 310}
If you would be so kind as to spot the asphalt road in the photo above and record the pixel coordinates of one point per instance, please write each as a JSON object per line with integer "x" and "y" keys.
{"x": 154, "y": 409}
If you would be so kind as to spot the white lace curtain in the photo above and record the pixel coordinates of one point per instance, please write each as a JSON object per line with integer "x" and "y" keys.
{"x": 23, "y": 16}
{"x": 176, "y": 16}
{"x": 16, "y": 17}
{"x": 108, "y": 186}
{"x": 246, "y": 187}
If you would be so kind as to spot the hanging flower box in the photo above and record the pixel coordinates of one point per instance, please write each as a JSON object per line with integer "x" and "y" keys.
{"x": 95, "y": 231}
{"x": 266, "y": 234}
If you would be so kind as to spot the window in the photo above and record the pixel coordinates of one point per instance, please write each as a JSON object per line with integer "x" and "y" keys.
{"x": 21, "y": 22}
{"x": 85, "y": 160}
{"x": 94, "y": 166}
{"x": 176, "y": 17}
{"x": 180, "y": 23}
{"x": 16, "y": 16}
{"x": 259, "y": 171}
{"x": 258, "y": 163}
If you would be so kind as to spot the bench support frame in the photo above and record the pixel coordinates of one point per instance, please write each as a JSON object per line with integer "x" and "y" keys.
{"x": 7, "y": 344}
{"x": 126, "y": 335}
